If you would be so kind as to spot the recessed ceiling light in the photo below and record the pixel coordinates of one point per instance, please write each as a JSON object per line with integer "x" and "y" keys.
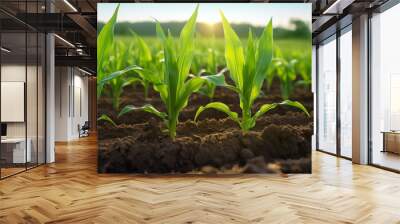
{"x": 5, "y": 50}
{"x": 64, "y": 40}
{"x": 70, "y": 5}
{"x": 84, "y": 71}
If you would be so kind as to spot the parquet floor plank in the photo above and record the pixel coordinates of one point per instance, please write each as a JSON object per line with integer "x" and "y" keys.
{"x": 71, "y": 191}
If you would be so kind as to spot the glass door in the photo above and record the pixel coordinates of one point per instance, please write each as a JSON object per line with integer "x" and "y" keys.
{"x": 14, "y": 153}
{"x": 346, "y": 92}
{"x": 22, "y": 77}
{"x": 327, "y": 96}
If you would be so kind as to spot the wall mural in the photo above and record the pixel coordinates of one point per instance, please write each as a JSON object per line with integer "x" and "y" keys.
{"x": 209, "y": 88}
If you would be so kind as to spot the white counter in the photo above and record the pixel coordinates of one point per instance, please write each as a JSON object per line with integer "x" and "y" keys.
{"x": 19, "y": 155}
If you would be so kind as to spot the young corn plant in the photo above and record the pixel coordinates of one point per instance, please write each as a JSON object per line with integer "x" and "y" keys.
{"x": 152, "y": 65}
{"x": 175, "y": 85}
{"x": 287, "y": 76}
{"x": 248, "y": 73}
{"x": 105, "y": 40}
{"x": 303, "y": 68}
{"x": 273, "y": 69}
{"x": 292, "y": 72}
{"x": 109, "y": 68}
{"x": 117, "y": 81}
{"x": 205, "y": 63}
{"x": 208, "y": 88}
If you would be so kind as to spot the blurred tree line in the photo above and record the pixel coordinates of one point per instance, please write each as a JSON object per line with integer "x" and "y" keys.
{"x": 299, "y": 29}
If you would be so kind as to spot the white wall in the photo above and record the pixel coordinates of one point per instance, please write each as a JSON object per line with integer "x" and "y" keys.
{"x": 15, "y": 72}
{"x": 80, "y": 110}
{"x": 11, "y": 73}
{"x": 62, "y": 81}
{"x": 70, "y": 83}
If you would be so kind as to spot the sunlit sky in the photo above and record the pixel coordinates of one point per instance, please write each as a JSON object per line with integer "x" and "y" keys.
{"x": 254, "y": 13}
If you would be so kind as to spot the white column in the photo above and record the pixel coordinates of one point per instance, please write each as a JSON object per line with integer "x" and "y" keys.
{"x": 360, "y": 90}
{"x": 314, "y": 91}
{"x": 50, "y": 99}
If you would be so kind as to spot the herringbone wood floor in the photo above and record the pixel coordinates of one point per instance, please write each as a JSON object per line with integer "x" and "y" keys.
{"x": 70, "y": 191}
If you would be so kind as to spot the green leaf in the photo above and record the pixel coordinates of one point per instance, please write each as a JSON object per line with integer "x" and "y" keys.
{"x": 144, "y": 50}
{"x": 105, "y": 117}
{"x": 191, "y": 86}
{"x": 233, "y": 88}
{"x": 267, "y": 107}
{"x": 163, "y": 90}
{"x": 264, "y": 109}
{"x": 263, "y": 59}
{"x": 105, "y": 38}
{"x": 186, "y": 45}
{"x": 171, "y": 77}
{"x": 217, "y": 79}
{"x": 295, "y": 104}
{"x": 130, "y": 81}
{"x": 220, "y": 107}
{"x": 148, "y": 108}
{"x": 304, "y": 83}
{"x": 116, "y": 74}
{"x": 173, "y": 87}
{"x": 248, "y": 73}
{"x": 233, "y": 53}
{"x": 212, "y": 81}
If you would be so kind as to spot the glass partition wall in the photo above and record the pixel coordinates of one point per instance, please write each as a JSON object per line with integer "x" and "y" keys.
{"x": 22, "y": 77}
{"x": 327, "y": 95}
{"x": 385, "y": 90}
{"x": 334, "y": 94}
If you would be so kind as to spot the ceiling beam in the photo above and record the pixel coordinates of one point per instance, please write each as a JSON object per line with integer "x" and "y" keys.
{"x": 79, "y": 61}
{"x": 338, "y": 6}
{"x": 86, "y": 27}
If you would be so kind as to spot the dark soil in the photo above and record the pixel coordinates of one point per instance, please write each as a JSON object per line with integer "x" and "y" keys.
{"x": 280, "y": 141}
{"x": 135, "y": 97}
{"x": 149, "y": 150}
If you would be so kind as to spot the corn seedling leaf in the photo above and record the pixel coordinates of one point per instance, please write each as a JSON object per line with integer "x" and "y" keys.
{"x": 105, "y": 39}
{"x": 106, "y": 118}
{"x": 144, "y": 50}
{"x": 119, "y": 73}
{"x": 220, "y": 107}
{"x": 248, "y": 73}
{"x": 234, "y": 55}
{"x": 186, "y": 45}
{"x": 132, "y": 80}
{"x": 148, "y": 108}
{"x": 217, "y": 79}
{"x": 295, "y": 104}
{"x": 191, "y": 86}
{"x": 264, "y": 109}
{"x": 263, "y": 59}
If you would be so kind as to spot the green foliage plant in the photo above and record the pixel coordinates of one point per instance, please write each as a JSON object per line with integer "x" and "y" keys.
{"x": 175, "y": 85}
{"x": 248, "y": 72}
{"x": 151, "y": 64}
{"x": 109, "y": 59}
